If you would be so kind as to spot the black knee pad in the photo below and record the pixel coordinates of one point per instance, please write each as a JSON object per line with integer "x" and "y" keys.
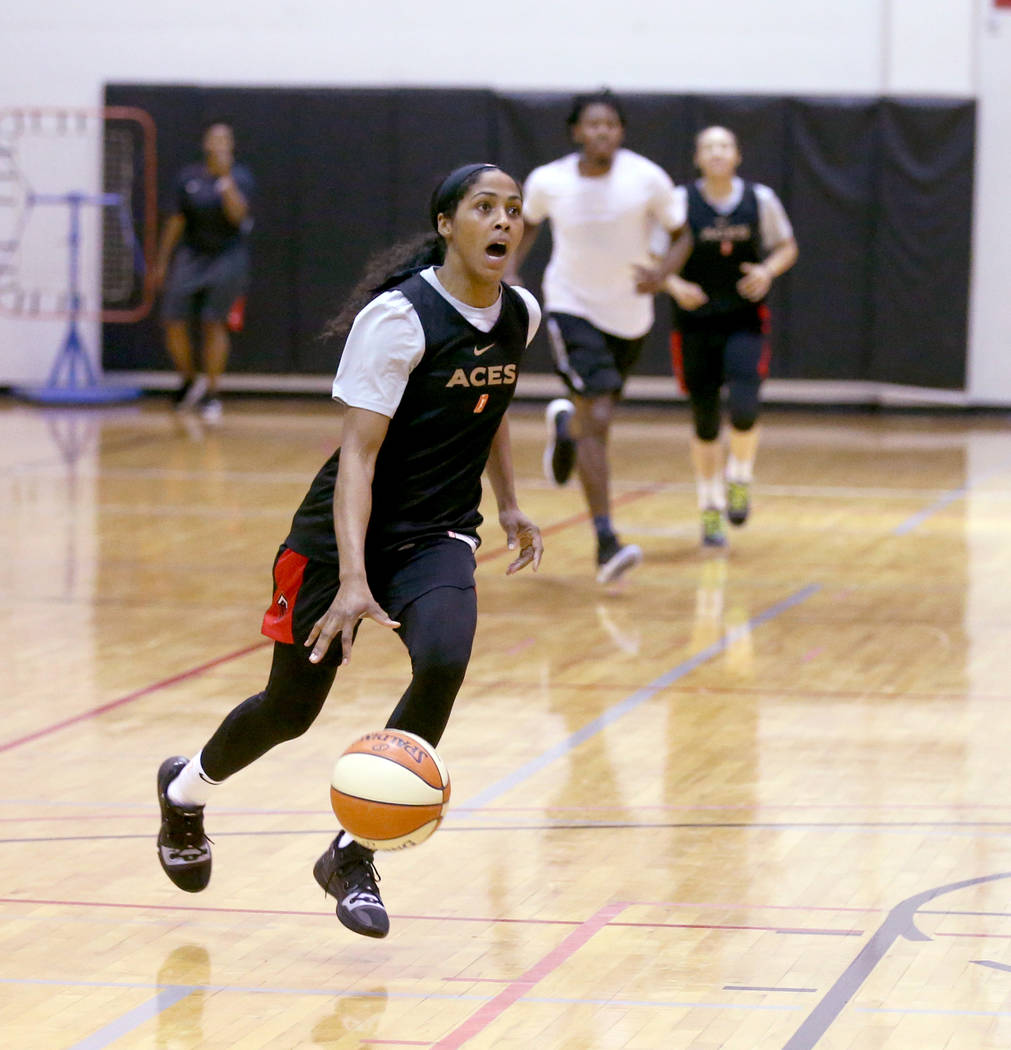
{"x": 742, "y": 404}
{"x": 706, "y": 415}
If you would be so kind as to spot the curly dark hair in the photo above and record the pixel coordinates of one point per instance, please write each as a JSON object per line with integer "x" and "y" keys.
{"x": 604, "y": 97}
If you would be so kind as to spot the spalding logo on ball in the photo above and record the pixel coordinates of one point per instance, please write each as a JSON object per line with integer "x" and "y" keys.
{"x": 389, "y": 790}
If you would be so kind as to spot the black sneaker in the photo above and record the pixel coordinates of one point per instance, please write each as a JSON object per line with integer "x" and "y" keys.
{"x": 189, "y": 393}
{"x": 614, "y": 559}
{"x": 713, "y": 534}
{"x": 738, "y": 502}
{"x": 183, "y": 848}
{"x": 349, "y": 876}
{"x": 560, "y": 452}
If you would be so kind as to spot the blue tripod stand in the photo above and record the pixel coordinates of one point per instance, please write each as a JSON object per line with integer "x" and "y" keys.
{"x": 73, "y": 379}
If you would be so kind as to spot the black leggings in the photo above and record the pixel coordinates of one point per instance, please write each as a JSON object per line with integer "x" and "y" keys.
{"x": 714, "y": 359}
{"x": 438, "y": 630}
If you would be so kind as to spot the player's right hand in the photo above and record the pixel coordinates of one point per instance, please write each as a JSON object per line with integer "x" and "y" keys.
{"x": 352, "y": 603}
{"x": 687, "y": 295}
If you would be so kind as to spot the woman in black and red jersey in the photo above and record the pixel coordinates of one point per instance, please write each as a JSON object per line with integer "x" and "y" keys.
{"x": 388, "y": 528}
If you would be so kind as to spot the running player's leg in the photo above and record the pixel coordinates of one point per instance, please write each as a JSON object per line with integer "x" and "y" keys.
{"x": 702, "y": 373}
{"x": 744, "y": 365}
{"x": 430, "y": 590}
{"x": 226, "y": 281}
{"x": 293, "y": 697}
{"x": 594, "y": 365}
{"x": 178, "y": 300}
{"x": 438, "y": 630}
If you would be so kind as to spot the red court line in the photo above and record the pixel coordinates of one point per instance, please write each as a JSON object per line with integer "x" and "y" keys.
{"x": 397, "y": 1042}
{"x": 130, "y": 697}
{"x": 557, "y": 526}
{"x": 727, "y": 926}
{"x": 484, "y": 919}
{"x": 997, "y": 936}
{"x": 491, "y": 1010}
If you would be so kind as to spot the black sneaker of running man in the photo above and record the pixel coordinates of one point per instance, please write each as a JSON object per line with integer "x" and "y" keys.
{"x": 560, "y": 451}
{"x": 738, "y": 502}
{"x": 183, "y": 848}
{"x": 349, "y": 876}
{"x": 615, "y": 559}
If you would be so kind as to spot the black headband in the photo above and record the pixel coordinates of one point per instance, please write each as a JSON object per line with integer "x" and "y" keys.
{"x": 450, "y": 186}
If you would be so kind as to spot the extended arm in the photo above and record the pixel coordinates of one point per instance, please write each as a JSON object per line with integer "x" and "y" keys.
{"x": 233, "y": 203}
{"x": 758, "y": 277}
{"x": 517, "y": 526}
{"x": 364, "y": 432}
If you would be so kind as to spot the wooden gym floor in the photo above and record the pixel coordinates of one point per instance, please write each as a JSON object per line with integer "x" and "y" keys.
{"x": 760, "y": 800}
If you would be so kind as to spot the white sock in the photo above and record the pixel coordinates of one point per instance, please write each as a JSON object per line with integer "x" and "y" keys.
{"x": 710, "y": 493}
{"x": 344, "y": 839}
{"x": 739, "y": 469}
{"x": 192, "y": 787}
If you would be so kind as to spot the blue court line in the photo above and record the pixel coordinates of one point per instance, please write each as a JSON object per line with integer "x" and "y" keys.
{"x": 929, "y": 511}
{"x": 630, "y": 703}
{"x": 134, "y": 1018}
{"x": 943, "y": 501}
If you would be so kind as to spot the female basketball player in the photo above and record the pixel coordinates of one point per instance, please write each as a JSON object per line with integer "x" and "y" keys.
{"x": 388, "y": 528}
{"x": 738, "y": 240}
{"x": 605, "y": 205}
{"x": 203, "y": 266}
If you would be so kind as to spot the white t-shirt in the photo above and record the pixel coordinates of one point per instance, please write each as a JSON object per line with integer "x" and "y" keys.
{"x": 773, "y": 223}
{"x": 387, "y": 341}
{"x": 601, "y": 226}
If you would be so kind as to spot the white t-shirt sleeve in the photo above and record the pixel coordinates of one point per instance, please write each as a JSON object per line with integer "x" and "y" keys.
{"x": 773, "y": 222}
{"x": 384, "y": 345}
{"x": 533, "y": 310}
{"x": 669, "y": 208}
{"x": 535, "y": 200}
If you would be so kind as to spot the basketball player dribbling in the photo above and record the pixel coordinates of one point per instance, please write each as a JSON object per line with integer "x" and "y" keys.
{"x": 738, "y": 240}
{"x": 605, "y": 205}
{"x": 388, "y": 528}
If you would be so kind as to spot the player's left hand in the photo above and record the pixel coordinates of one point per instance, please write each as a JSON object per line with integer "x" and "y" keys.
{"x": 755, "y": 283}
{"x": 523, "y": 533}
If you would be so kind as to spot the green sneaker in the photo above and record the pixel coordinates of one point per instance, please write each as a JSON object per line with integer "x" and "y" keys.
{"x": 738, "y": 501}
{"x": 712, "y": 528}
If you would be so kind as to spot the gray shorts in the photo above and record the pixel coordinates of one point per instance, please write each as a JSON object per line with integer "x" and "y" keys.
{"x": 204, "y": 286}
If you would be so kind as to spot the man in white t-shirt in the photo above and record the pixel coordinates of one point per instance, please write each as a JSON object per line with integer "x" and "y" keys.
{"x": 607, "y": 206}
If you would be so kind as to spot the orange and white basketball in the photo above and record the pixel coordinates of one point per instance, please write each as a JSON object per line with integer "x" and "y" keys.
{"x": 389, "y": 790}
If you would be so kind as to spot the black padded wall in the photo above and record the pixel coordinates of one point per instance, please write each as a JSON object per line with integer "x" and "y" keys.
{"x": 879, "y": 192}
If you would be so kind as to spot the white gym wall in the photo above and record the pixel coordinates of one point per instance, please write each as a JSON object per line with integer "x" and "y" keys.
{"x": 61, "y": 52}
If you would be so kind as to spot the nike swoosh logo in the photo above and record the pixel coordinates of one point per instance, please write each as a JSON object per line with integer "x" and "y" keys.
{"x": 478, "y": 353}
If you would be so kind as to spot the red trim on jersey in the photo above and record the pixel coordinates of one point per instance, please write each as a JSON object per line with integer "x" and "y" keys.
{"x": 765, "y": 315}
{"x": 677, "y": 359}
{"x": 237, "y": 315}
{"x": 277, "y": 620}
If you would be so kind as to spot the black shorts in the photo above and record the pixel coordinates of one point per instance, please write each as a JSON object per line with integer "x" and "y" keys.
{"x": 204, "y": 286}
{"x": 591, "y": 362}
{"x": 704, "y": 361}
{"x": 304, "y": 588}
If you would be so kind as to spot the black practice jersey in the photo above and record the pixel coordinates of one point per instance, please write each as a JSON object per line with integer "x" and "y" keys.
{"x": 722, "y": 243}
{"x": 427, "y": 479}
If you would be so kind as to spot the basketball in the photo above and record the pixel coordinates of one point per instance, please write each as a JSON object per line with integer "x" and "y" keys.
{"x": 389, "y": 790}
